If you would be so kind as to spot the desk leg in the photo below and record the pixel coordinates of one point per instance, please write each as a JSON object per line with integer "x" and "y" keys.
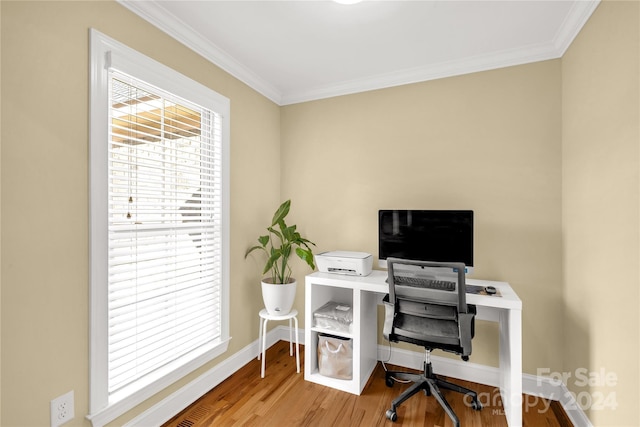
{"x": 511, "y": 365}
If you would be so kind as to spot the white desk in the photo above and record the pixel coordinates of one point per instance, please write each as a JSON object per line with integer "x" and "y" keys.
{"x": 363, "y": 294}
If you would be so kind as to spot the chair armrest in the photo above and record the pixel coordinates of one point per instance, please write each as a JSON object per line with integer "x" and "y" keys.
{"x": 465, "y": 324}
{"x": 389, "y": 314}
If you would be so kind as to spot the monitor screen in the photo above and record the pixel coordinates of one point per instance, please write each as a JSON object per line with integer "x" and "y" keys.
{"x": 426, "y": 235}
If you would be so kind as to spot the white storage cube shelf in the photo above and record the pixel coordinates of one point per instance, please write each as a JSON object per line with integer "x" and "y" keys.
{"x": 319, "y": 293}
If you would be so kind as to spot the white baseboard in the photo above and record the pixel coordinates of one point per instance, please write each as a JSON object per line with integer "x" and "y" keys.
{"x": 555, "y": 390}
{"x": 167, "y": 408}
{"x": 468, "y": 371}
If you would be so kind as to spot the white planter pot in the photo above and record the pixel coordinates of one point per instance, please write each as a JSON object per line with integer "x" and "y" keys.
{"x": 278, "y": 298}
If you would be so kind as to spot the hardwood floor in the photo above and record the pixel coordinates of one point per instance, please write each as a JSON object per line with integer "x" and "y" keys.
{"x": 284, "y": 398}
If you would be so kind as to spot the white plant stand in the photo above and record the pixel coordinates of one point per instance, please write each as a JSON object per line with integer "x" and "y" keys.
{"x": 262, "y": 338}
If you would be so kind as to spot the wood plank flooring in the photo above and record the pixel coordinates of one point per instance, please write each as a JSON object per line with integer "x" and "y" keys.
{"x": 284, "y": 398}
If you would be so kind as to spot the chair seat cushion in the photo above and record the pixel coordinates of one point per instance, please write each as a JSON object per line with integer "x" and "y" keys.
{"x": 439, "y": 331}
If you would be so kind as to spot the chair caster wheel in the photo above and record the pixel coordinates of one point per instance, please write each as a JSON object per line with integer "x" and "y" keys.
{"x": 475, "y": 405}
{"x": 389, "y": 381}
{"x": 391, "y": 415}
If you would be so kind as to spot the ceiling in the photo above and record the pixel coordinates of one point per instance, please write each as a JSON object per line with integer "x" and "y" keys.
{"x": 297, "y": 51}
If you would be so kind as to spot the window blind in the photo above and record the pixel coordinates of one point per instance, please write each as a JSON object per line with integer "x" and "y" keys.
{"x": 164, "y": 229}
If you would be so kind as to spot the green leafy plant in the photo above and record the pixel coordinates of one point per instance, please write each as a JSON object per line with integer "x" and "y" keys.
{"x": 279, "y": 244}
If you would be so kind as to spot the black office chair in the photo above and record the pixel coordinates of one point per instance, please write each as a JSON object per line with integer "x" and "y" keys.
{"x": 431, "y": 318}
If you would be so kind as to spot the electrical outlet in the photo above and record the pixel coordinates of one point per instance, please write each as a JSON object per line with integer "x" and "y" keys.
{"x": 62, "y": 409}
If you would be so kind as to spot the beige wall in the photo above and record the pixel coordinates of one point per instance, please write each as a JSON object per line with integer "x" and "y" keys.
{"x": 0, "y": 219}
{"x": 601, "y": 221}
{"x": 486, "y": 141}
{"x": 45, "y": 195}
{"x": 542, "y": 152}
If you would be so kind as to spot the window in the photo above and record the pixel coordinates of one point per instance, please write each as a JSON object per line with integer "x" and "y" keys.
{"x": 159, "y": 227}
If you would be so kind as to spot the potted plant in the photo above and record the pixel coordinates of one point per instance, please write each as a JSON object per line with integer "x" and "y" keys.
{"x": 278, "y": 288}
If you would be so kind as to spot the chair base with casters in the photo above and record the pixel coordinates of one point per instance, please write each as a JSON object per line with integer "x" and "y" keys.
{"x": 431, "y": 385}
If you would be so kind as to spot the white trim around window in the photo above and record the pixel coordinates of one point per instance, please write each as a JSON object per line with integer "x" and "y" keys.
{"x": 108, "y": 55}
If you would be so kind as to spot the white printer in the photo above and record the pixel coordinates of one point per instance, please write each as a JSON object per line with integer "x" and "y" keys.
{"x": 345, "y": 262}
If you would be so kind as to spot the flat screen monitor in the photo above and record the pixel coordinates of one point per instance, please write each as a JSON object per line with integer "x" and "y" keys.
{"x": 426, "y": 235}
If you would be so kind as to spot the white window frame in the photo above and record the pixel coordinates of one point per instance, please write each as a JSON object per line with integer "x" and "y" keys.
{"x": 106, "y": 53}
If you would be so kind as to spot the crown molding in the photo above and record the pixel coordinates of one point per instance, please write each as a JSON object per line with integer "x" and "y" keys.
{"x": 422, "y": 74}
{"x": 159, "y": 17}
{"x": 573, "y": 23}
{"x": 578, "y": 16}
{"x": 155, "y": 14}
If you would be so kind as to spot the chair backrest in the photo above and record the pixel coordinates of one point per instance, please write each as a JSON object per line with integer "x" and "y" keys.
{"x": 429, "y": 317}
{"x": 394, "y": 267}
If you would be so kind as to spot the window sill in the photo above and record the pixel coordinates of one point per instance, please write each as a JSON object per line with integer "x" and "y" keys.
{"x": 128, "y": 398}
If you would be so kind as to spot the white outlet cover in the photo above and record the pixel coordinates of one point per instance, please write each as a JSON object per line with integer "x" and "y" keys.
{"x": 62, "y": 409}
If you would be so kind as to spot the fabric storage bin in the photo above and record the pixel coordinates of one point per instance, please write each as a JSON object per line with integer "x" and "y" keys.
{"x": 334, "y": 316}
{"x": 335, "y": 357}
